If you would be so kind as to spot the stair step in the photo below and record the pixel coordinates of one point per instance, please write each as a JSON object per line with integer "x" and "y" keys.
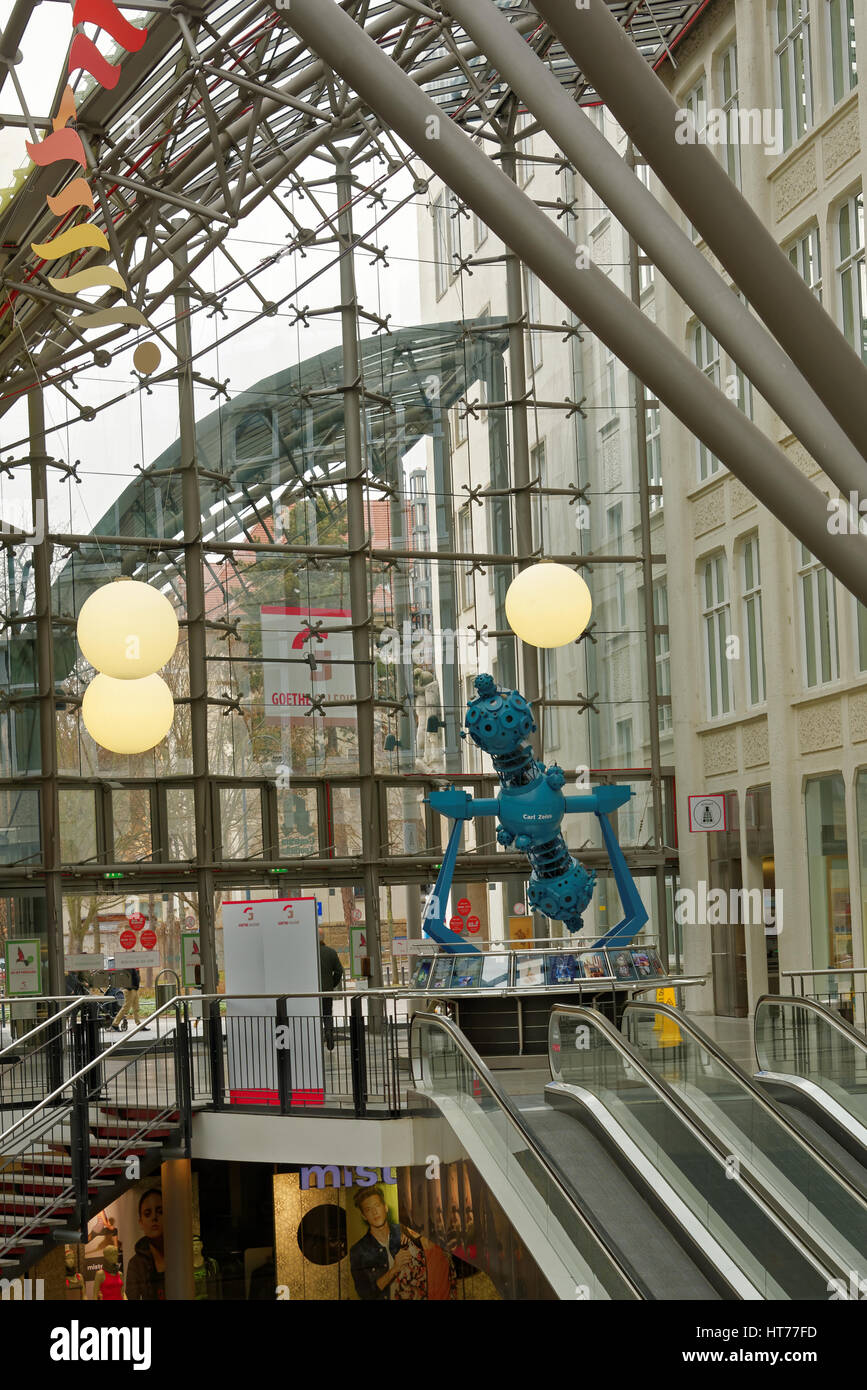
{"x": 31, "y": 1187}
{"x": 139, "y": 1112}
{"x": 131, "y": 1131}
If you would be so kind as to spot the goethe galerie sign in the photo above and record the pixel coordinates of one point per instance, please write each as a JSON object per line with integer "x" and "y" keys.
{"x": 289, "y": 636}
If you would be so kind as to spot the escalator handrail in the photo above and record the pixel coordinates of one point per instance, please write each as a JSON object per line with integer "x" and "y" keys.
{"x": 764, "y": 1101}
{"x": 703, "y": 1132}
{"x": 842, "y": 1025}
{"x": 622, "y": 1265}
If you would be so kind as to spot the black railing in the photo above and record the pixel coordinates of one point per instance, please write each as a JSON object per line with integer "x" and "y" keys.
{"x": 73, "y": 1150}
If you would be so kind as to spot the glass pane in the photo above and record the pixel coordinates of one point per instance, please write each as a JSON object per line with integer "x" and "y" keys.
{"x": 77, "y": 825}
{"x": 241, "y": 822}
{"x": 131, "y": 815}
{"x": 19, "y": 826}
{"x": 181, "y": 818}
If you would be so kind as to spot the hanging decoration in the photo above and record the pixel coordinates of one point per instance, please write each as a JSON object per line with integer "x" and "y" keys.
{"x": 65, "y": 146}
{"x": 127, "y": 630}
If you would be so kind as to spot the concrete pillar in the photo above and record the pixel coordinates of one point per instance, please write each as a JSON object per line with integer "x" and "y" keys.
{"x": 177, "y": 1189}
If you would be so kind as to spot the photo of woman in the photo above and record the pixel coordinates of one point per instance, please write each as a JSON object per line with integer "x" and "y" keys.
{"x": 146, "y": 1275}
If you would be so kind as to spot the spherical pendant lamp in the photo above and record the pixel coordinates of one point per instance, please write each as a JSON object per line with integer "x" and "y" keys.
{"x": 548, "y": 605}
{"x": 127, "y": 630}
{"x": 127, "y": 716}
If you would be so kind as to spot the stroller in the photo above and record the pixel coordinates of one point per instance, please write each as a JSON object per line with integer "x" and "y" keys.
{"x": 100, "y": 985}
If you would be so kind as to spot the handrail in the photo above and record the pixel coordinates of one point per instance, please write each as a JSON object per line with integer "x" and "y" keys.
{"x": 795, "y": 1001}
{"x": 401, "y": 992}
{"x": 830, "y": 970}
{"x": 708, "y": 1045}
{"x": 79, "y": 1001}
{"x": 513, "y": 1114}
{"x": 697, "y": 1127}
{"x": 96, "y": 1062}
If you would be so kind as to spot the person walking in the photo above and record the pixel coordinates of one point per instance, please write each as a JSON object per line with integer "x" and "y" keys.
{"x": 130, "y": 1001}
{"x": 330, "y": 978}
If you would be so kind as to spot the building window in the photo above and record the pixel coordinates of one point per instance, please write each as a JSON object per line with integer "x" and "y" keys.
{"x": 662, "y": 652}
{"x": 806, "y": 256}
{"x": 828, "y": 865}
{"x": 646, "y": 270}
{"x": 717, "y": 627}
{"x": 794, "y": 75}
{"x": 731, "y": 148}
{"x": 706, "y": 355}
{"x": 533, "y": 305}
{"x": 844, "y": 69}
{"x": 696, "y": 103}
{"x": 538, "y": 469}
{"x": 614, "y": 523}
{"x": 852, "y": 272}
{"x": 441, "y": 245}
{"x": 653, "y": 444}
{"x": 819, "y": 615}
{"x": 459, "y": 423}
{"x": 480, "y": 230}
{"x": 753, "y": 632}
{"x": 552, "y": 712}
{"x": 465, "y": 548}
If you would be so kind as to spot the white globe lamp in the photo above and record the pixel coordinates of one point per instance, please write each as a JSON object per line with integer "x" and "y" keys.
{"x": 548, "y": 605}
{"x": 127, "y": 716}
{"x": 127, "y": 630}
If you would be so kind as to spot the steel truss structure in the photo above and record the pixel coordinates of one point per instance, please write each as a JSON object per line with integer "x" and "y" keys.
{"x": 232, "y": 106}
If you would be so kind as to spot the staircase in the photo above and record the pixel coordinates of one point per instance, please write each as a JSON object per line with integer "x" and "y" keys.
{"x": 105, "y": 1126}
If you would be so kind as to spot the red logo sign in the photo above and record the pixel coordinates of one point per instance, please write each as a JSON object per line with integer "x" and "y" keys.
{"x": 148, "y": 940}
{"x": 464, "y": 906}
{"x": 456, "y": 923}
{"x": 127, "y": 940}
{"x": 136, "y": 920}
{"x": 473, "y": 925}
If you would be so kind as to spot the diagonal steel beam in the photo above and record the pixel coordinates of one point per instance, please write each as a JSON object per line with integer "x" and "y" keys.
{"x": 771, "y": 371}
{"x": 637, "y": 342}
{"x": 703, "y": 190}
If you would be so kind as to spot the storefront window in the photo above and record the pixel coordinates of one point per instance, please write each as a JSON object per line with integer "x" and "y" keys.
{"x": 828, "y": 859}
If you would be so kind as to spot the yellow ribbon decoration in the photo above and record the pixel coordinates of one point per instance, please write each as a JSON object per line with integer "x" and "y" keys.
{"x": 73, "y": 240}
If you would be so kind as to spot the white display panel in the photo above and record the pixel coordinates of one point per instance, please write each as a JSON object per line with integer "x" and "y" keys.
{"x": 270, "y": 947}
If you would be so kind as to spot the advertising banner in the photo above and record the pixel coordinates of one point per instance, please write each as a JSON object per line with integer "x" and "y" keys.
{"x": 23, "y": 970}
{"x": 291, "y": 683}
{"x": 271, "y": 946}
{"x": 191, "y": 960}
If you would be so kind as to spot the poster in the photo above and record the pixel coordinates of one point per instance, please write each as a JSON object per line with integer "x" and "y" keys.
{"x": 357, "y": 951}
{"x": 23, "y": 966}
{"x": 521, "y": 931}
{"x": 291, "y": 684}
{"x": 347, "y": 1233}
{"x": 271, "y": 946}
{"x": 191, "y": 960}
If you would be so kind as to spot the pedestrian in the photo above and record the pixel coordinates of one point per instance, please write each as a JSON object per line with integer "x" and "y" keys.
{"x": 130, "y": 1001}
{"x": 330, "y": 978}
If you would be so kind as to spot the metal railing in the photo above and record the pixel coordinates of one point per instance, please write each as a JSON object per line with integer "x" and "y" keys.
{"x": 72, "y": 1149}
{"x": 835, "y": 988}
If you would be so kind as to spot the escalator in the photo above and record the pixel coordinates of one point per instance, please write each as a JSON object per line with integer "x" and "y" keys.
{"x": 814, "y": 1065}
{"x": 616, "y": 1191}
{"x": 795, "y": 1176}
